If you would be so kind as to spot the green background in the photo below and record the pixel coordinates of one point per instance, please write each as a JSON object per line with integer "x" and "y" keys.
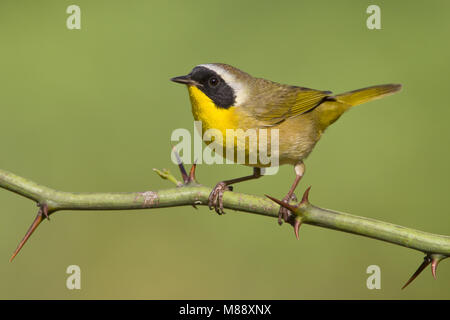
{"x": 93, "y": 109}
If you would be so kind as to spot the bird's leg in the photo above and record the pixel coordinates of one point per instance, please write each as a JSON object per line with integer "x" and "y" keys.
{"x": 215, "y": 199}
{"x": 284, "y": 214}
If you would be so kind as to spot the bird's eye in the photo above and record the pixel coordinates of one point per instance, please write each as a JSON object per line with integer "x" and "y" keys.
{"x": 213, "y": 81}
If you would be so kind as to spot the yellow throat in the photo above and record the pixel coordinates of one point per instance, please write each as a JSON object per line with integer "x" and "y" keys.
{"x": 211, "y": 116}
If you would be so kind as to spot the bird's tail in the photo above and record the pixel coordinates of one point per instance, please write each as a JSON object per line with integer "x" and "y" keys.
{"x": 355, "y": 97}
{"x": 332, "y": 109}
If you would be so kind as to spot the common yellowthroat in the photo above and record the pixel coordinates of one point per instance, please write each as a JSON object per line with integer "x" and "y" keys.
{"x": 224, "y": 97}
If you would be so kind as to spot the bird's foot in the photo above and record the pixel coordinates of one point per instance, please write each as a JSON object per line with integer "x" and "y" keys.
{"x": 215, "y": 199}
{"x": 293, "y": 217}
{"x": 285, "y": 214}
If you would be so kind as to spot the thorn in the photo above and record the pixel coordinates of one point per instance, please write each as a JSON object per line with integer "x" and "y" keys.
{"x": 297, "y": 225}
{"x": 435, "y": 260}
{"x": 192, "y": 172}
{"x": 434, "y": 265}
{"x": 305, "y": 198}
{"x": 283, "y": 204}
{"x": 43, "y": 210}
{"x": 181, "y": 166}
{"x": 425, "y": 263}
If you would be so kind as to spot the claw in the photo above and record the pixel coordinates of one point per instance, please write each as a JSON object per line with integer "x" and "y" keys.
{"x": 215, "y": 199}
{"x": 298, "y": 221}
{"x": 293, "y": 198}
{"x": 283, "y": 214}
{"x": 43, "y": 212}
{"x": 220, "y": 200}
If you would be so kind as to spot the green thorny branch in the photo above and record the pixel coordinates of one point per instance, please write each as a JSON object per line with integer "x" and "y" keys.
{"x": 189, "y": 192}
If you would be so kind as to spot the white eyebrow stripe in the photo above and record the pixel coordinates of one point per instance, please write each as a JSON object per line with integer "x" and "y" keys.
{"x": 238, "y": 88}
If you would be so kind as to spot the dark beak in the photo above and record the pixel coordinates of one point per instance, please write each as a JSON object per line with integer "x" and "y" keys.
{"x": 183, "y": 80}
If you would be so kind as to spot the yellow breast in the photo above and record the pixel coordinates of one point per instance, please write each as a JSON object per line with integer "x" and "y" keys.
{"x": 211, "y": 116}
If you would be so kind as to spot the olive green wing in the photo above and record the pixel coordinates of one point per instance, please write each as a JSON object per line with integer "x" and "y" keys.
{"x": 275, "y": 103}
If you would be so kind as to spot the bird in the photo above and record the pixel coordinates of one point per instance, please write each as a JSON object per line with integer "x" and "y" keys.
{"x": 224, "y": 97}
